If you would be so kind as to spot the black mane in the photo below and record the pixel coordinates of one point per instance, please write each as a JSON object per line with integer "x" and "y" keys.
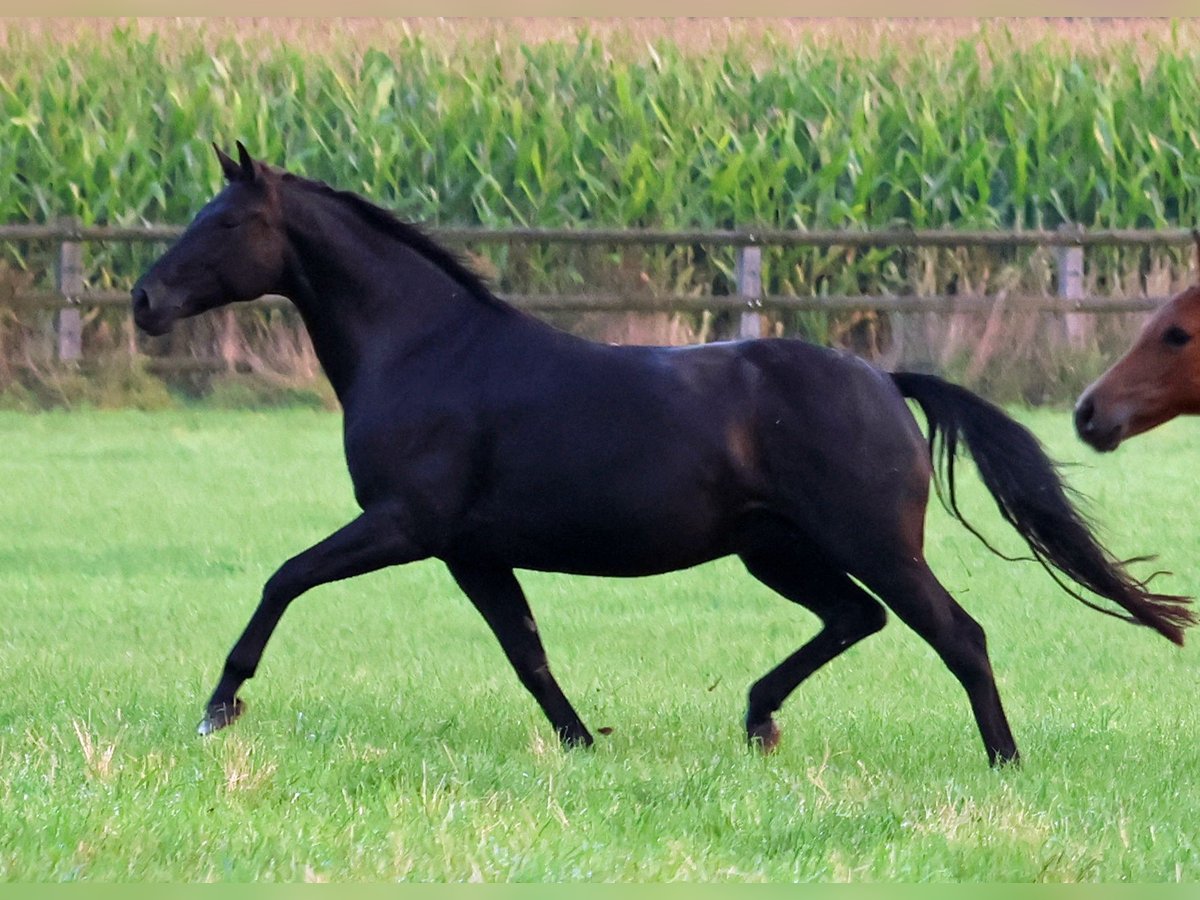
{"x": 411, "y": 236}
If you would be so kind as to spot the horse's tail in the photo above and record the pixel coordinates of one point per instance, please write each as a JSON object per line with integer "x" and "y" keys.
{"x": 1033, "y": 499}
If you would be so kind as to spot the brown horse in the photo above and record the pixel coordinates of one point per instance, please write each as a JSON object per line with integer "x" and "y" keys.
{"x": 1156, "y": 380}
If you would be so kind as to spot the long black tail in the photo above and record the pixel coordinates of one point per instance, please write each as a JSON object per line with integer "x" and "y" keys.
{"x": 1033, "y": 499}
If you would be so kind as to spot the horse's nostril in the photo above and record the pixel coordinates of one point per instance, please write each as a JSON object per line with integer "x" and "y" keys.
{"x": 141, "y": 300}
{"x": 1084, "y": 415}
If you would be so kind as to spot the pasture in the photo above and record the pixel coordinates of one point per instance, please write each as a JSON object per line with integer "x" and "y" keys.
{"x": 386, "y": 737}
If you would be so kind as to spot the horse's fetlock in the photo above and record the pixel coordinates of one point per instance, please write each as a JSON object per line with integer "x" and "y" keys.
{"x": 761, "y": 703}
{"x": 236, "y": 670}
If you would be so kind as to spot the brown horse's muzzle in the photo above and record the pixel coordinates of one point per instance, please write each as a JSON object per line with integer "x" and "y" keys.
{"x": 1101, "y": 426}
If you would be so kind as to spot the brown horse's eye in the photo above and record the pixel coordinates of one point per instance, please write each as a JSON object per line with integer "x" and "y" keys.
{"x": 1175, "y": 336}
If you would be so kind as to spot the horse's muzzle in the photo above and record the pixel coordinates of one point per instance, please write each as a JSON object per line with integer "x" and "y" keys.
{"x": 150, "y": 320}
{"x": 1095, "y": 429}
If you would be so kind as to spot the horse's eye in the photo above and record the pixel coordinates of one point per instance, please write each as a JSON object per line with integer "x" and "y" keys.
{"x": 228, "y": 222}
{"x": 1175, "y": 336}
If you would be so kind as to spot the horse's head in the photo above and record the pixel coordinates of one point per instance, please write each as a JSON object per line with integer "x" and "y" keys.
{"x": 1156, "y": 380}
{"x": 233, "y": 250}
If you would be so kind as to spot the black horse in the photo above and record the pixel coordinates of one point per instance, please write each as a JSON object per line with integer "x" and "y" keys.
{"x": 481, "y": 436}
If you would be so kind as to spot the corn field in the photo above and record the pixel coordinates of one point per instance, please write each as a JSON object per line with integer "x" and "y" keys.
{"x": 998, "y": 124}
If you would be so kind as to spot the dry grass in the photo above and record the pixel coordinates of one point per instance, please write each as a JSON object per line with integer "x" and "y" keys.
{"x": 621, "y": 35}
{"x": 97, "y": 753}
{"x": 243, "y": 773}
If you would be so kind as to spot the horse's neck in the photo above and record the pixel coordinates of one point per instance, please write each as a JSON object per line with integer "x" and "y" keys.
{"x": 365, "y": 296}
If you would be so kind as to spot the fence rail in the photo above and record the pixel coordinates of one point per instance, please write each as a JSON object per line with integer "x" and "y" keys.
{"x": 1070, "y": 240}
{"x": 617, "y": 302}
{"x": 1066, "y": 236}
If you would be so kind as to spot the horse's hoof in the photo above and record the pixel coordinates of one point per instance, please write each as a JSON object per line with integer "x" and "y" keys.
{"x": 765, "y": 736}
{"x": 220, "y": 715}
{"x": 577, "y": 741}
{"x": 1010, "y": 760}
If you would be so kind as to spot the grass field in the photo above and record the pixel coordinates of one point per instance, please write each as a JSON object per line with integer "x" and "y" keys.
{"x": 386, "y": 738}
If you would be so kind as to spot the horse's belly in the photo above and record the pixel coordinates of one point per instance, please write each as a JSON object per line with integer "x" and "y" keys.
{"x": 607, "y": 542}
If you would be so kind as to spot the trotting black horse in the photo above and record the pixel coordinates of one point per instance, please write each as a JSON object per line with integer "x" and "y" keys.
{"x": 483, "y": 437}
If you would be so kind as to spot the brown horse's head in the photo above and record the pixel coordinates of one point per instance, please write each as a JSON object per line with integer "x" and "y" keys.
{"x": 1156, "y": 380}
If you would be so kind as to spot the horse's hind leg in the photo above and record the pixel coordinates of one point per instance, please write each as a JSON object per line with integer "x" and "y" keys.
{"x": 914, "y": 594}
{"x": 497, "y": 595}
{"x": 847, "y": 612}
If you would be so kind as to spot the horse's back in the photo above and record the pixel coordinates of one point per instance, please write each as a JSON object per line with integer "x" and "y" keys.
{"x": 799, "y": 393}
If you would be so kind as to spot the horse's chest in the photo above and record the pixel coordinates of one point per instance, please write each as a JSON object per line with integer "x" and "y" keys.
{"x": 420, "y": 465}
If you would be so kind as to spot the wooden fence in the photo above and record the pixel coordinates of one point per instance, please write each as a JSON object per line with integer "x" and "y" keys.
{"x": 70, "y": 294}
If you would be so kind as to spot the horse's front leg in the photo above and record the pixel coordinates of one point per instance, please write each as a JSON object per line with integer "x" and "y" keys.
{"x": 372, "y": 541}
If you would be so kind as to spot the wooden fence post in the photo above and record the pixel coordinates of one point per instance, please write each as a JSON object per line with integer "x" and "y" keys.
{"x": 68, "y": 326}
{"x": 749, "y": 285}
{"x": 1076, "y": 326}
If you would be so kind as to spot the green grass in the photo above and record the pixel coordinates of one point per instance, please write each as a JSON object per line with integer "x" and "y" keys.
{"x": 386, "y": 738}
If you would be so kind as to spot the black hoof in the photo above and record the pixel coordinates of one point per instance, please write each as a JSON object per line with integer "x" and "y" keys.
{"x": 219, "y": 715}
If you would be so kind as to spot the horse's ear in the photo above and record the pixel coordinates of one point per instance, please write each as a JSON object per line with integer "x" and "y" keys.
{"x": 231, "y": 169}
{"x": 243, "y": 169}
{"x": 249, "y": 172}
